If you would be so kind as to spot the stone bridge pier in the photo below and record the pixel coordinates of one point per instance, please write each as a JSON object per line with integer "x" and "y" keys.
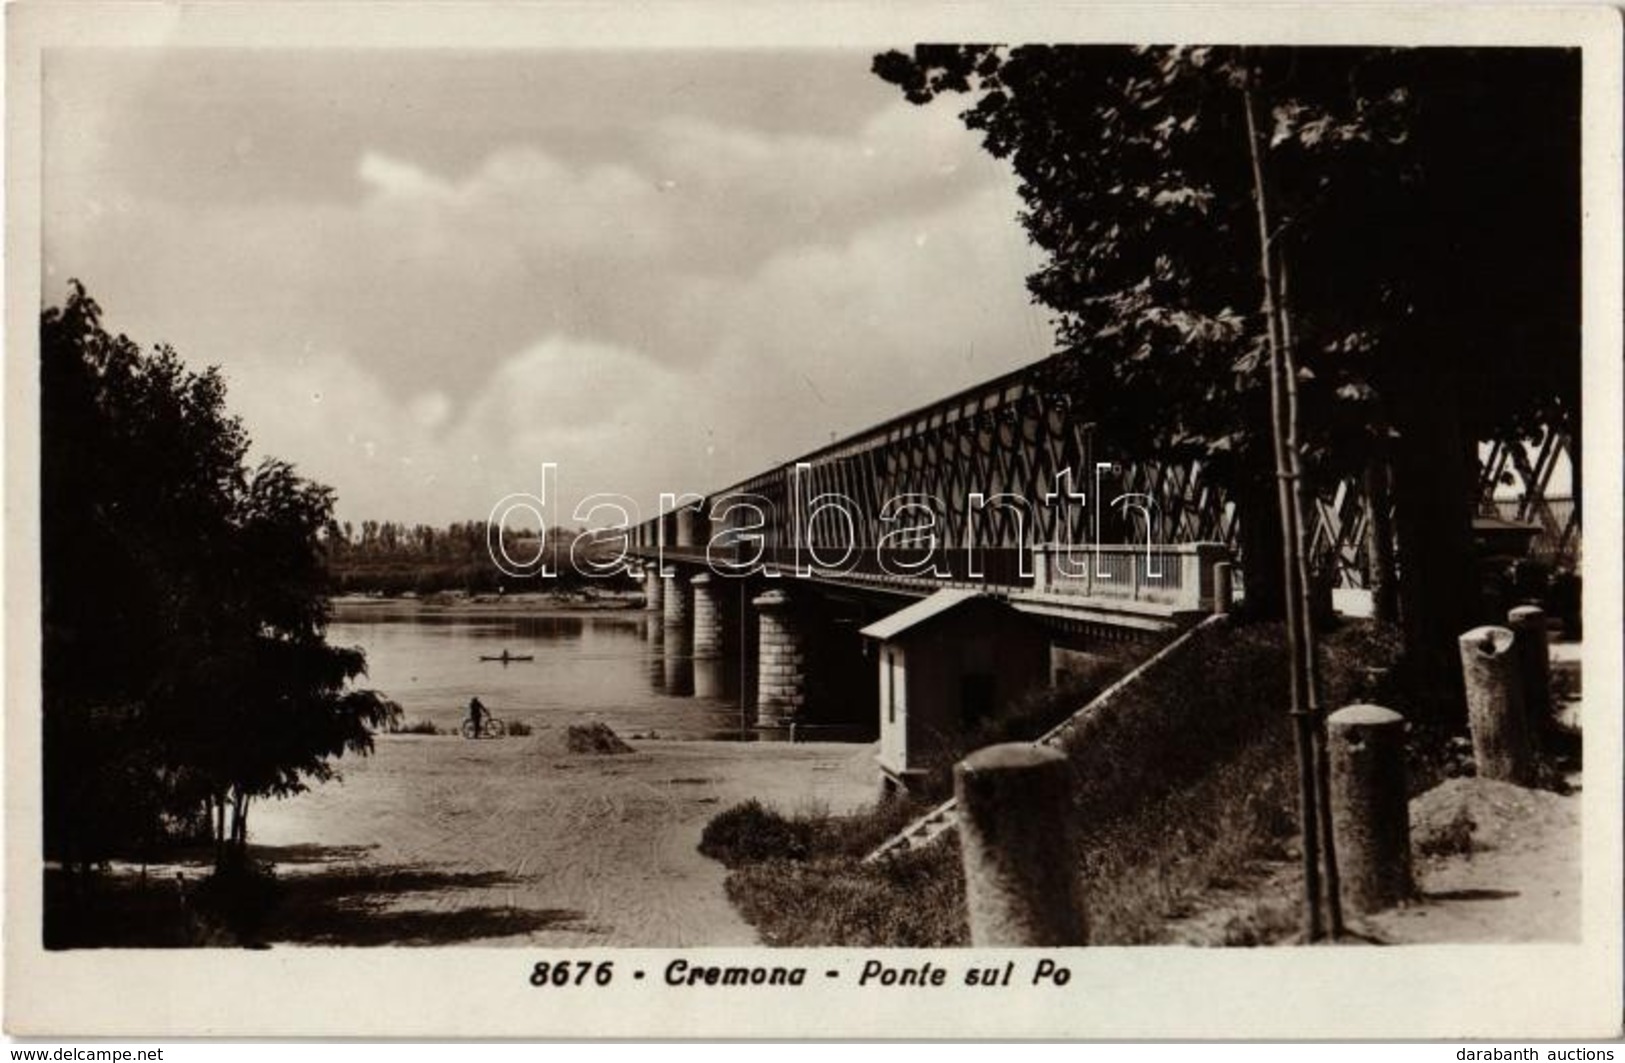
{"x": 677, "y": 603}
{"x": 654, "y": 632}
{"x": 678, "y": 631}
{"x": 654, "y": 590}
{"x": 717, "y": 650}
{"x": 781, "y": 685}
{"x": 787, "y": 653}
{"x": 710, "y": 616}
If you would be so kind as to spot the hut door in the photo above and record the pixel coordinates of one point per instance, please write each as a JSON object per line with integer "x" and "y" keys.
{"x": 975, "y": 699}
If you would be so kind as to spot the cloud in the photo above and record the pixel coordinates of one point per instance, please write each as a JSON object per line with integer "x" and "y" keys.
{"x": 820, "y": 340}
{"x": 392, "y": 178}
{"x": 568, "y": 402}
{"x": 521, "y": 198}
{"x": 766, "y": 189}
{"x": 707, "y": 300}
{"x": 430, "y": 409}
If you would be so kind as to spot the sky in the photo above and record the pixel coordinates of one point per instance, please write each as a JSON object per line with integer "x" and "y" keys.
{"x": 427, "y": 273}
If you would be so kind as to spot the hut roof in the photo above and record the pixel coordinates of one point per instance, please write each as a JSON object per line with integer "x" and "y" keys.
{"x": 923, "y": 611}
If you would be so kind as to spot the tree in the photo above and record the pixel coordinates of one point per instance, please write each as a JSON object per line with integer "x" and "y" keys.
{"x": 185, "y": 663}
{"x": 1426, "y": 234}
{"x": 1143, "y": 171}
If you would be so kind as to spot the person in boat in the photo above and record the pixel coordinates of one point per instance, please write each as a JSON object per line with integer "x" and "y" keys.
{"x": 477, "y": 714}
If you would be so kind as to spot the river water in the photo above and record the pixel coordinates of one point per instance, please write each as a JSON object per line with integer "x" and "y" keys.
{"x": 616, "y": 666}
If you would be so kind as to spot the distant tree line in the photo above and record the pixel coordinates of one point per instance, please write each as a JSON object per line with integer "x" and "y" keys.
{"x": 393, "y": 558}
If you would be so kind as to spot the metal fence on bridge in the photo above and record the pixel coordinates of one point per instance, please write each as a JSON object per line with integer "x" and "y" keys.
{"x": 1007, "y": 443}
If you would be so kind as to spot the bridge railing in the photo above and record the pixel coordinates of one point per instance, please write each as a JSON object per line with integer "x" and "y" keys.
{"x": 991, "y": 566}
{"x": 1178, "y": 575}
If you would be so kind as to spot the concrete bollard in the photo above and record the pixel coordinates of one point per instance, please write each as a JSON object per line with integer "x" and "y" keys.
{"x": 1371, "y": 827}
{"x": 1495, "y": 708}
{"x": 1528, "y": 624}
{"x": 1021, "y": 875}
{"x": 1224, "y": 588}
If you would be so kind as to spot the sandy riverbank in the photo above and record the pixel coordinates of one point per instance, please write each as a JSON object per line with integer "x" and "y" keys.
{"x": 437, "y": 840}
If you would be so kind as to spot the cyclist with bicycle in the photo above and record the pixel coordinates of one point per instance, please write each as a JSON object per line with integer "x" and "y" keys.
{"x": 478, "y": 714}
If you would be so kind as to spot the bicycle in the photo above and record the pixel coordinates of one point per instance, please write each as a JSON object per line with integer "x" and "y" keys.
{"x": 490, "y": 727}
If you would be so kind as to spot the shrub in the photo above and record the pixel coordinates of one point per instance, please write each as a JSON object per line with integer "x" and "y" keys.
{"x": 859, "y": 834}
{"x": 1265, "y": 924}
{"x": 1452, "y": 838}
{"x": 914, "y": 900}
{"x": 800, "y": 880}
{"x": 750, "y": 833}
{"x": 519, "y": 729}
{"x": 416, "y": 727}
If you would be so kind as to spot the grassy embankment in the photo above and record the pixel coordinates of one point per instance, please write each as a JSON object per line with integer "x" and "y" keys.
{"x": 1184, "y": 785}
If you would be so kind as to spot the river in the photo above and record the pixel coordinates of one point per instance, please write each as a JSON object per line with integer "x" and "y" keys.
{"x": 614, "y": 666}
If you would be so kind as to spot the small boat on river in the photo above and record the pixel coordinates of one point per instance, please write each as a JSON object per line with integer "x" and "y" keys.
{"x": 505, "y": 657}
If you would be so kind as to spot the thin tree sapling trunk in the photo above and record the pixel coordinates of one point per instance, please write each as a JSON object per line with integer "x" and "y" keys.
{"x": 1303, "y": 735}
{"x": 1308, "y": 643}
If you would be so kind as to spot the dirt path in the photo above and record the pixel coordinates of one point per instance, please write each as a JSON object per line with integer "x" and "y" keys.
{"x": 436, "y": 840}
{"x": 1518, "y": 880}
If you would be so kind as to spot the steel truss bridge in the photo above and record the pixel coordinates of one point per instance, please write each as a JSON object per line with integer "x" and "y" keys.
{"x": 993, "y": 465}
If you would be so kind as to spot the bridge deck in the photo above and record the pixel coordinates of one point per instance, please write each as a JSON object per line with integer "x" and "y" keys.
{"x": 1120, "y": 586}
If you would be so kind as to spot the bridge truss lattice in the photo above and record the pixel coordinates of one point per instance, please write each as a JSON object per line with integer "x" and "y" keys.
{"x": 1014, "y": 437}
